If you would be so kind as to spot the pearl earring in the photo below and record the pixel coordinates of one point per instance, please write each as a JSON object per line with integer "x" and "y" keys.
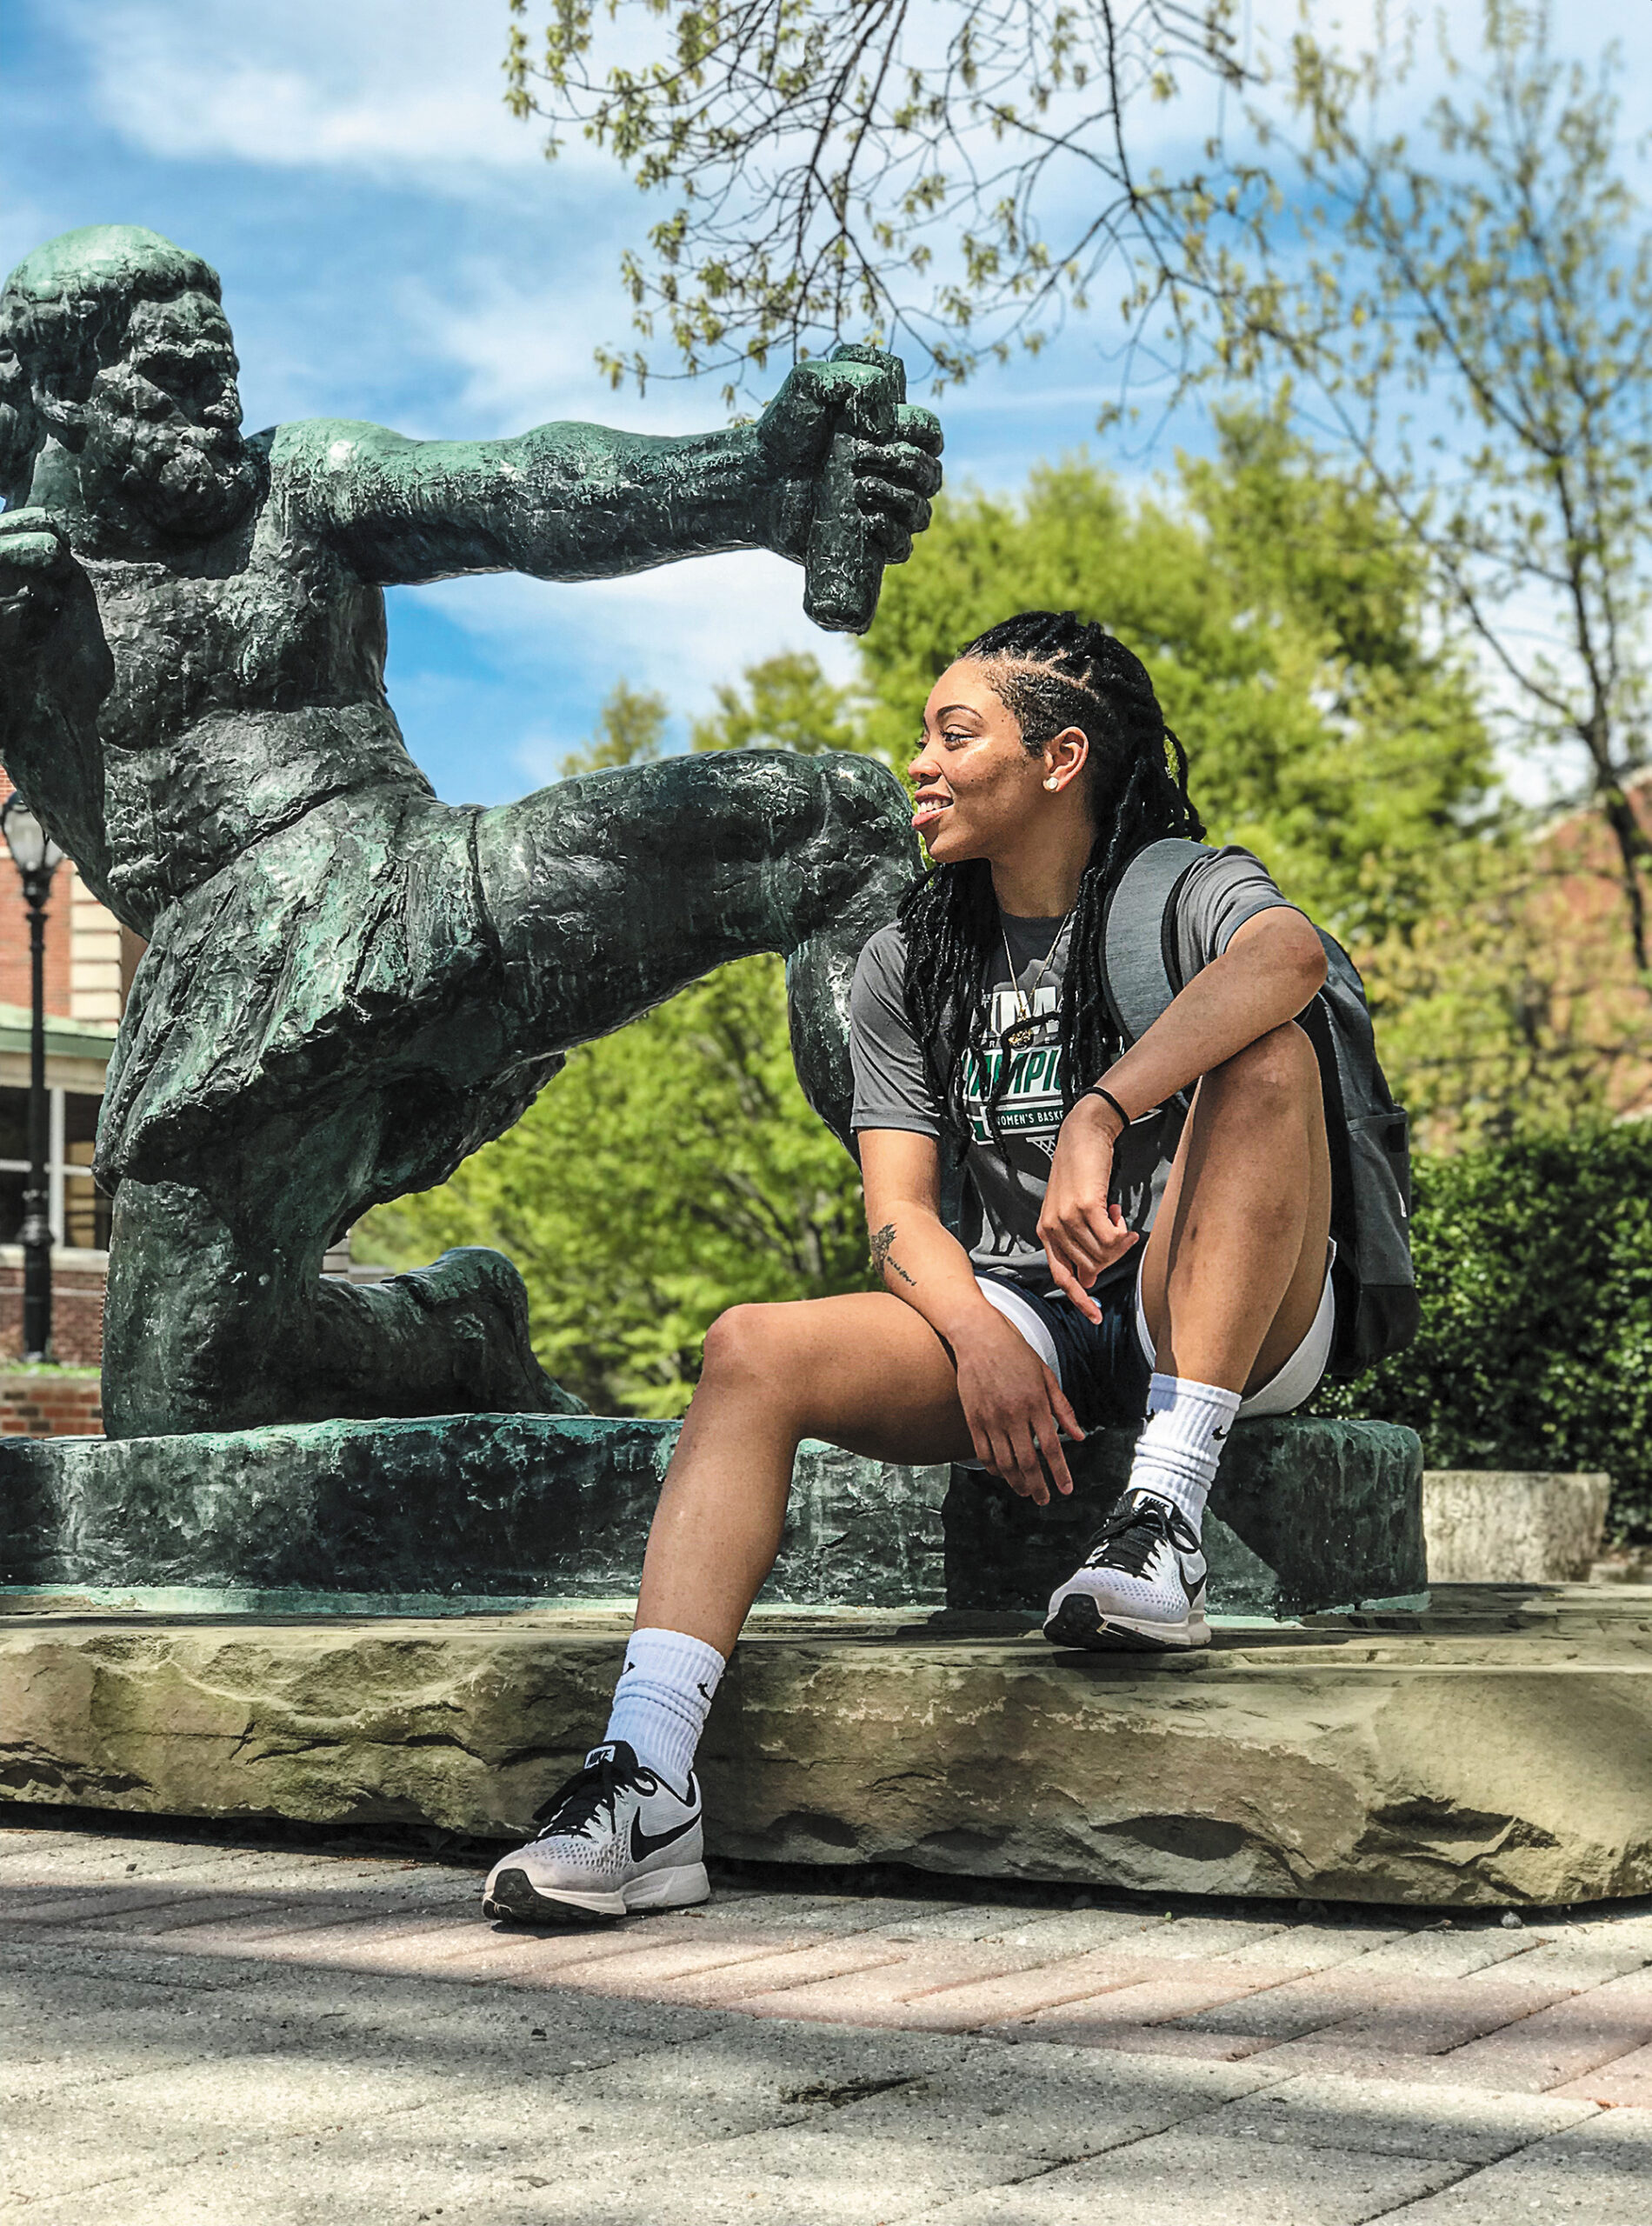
{"x": 1052, "y": 782}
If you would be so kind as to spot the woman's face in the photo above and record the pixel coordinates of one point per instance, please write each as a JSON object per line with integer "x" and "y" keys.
{"x": 979, "y": 788}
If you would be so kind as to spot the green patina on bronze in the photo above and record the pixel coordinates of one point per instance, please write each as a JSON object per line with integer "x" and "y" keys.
{"x": 350, "y": 985}
{"x": 1306, "y": 1514}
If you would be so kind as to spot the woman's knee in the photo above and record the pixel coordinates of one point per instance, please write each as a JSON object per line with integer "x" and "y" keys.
{"x": 746, "y": 1346}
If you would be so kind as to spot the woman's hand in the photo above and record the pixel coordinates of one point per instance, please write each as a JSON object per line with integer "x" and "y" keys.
{"x": 1014, "y": 1406}
{"x": 1081, "y": 1231}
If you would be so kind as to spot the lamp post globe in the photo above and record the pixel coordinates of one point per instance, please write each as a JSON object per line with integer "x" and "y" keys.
{"x": 37, "y": 859}
{"x": 32, "y": 849}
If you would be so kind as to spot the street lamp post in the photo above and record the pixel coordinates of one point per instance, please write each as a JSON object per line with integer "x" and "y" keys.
{"x": 37, "y": 858}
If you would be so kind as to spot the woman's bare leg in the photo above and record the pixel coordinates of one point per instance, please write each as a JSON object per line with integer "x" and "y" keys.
{"x": 1233, "y": 1271}
{"x": 863, "y": 1371}
{"x": 1236, "y": 1261}
{"x": 1232, "y": 1277}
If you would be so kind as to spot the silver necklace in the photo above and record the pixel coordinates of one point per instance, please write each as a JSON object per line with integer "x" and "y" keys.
{"x": 1022, "y": 1032}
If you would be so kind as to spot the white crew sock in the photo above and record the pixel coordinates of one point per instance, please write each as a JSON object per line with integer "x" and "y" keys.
{"x": 1181, "y": 1442}
{"x": 663, "y": 1698}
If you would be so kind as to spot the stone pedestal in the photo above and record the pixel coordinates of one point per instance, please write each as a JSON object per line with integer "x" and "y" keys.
{"x": 461, "y": 1509}
{"x": 1488, "y": 1526}
{"x": 1306, "y": 1514}
{"x": 1498, "y": 1749}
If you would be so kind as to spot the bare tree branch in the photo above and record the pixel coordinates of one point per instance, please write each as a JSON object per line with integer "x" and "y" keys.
{"x": 1502, "y": 276}
{"x": 864, "y": 169}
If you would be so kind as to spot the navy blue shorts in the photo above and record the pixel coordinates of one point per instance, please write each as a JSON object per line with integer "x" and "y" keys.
{"x": 1102, "y": 1366}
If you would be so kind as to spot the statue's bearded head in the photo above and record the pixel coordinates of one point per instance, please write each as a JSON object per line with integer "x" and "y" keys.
{"x": 113, "y": 344}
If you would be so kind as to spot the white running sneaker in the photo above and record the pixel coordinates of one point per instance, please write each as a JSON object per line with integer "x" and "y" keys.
{"x": 616, "y": 1838}
{"x": 1141, "y": 1587}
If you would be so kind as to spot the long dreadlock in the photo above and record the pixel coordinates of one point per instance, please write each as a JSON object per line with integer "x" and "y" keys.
{"x": 1052, "y": 671}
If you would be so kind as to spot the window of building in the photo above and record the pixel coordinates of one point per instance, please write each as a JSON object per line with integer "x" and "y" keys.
{"x": 78, "y": 1209}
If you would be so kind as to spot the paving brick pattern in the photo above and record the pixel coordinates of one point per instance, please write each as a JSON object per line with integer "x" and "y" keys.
{"x": 201, "y": 2033}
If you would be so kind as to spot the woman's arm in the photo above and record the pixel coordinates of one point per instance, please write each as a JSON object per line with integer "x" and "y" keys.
{"x": 1014, "y": 1406}
{"x": 1266, "y": 975}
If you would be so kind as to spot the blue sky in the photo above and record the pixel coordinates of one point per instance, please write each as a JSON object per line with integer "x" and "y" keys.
{"x": 394, "y": 247}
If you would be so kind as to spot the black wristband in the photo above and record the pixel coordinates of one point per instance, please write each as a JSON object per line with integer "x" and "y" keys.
{"x": 1095, "y": 1089}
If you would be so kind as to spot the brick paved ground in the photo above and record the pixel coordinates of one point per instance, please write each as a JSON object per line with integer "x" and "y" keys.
{"x": 202, "y": 2034}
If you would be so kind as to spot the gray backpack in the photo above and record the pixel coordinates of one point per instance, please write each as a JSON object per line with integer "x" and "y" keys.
{"x": 1372, "y": 1282}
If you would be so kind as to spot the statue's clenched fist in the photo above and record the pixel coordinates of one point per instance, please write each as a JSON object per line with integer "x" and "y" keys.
{"x": 36, "y": 572}
{"x": 892, "y": 451}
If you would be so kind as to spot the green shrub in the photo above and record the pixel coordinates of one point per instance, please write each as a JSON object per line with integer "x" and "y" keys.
{"x": 1535, "y": 1270}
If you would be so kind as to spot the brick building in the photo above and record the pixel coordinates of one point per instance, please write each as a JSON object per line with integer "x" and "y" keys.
{"x": 1593, "y": 998}
{"x": 90, "y": 961}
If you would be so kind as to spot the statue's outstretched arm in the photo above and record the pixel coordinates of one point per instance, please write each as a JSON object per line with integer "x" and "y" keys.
{"x": 578, "y": 501}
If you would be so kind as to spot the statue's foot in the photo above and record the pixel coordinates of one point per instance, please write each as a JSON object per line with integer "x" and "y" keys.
{"x": 451, "y": 1338}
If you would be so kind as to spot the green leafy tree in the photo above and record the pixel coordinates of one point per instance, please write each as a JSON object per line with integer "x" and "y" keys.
{"x": 630, "y": 731}
{"x": 786, "y": 703}
{"x": 1281, "y": 613}
{"x": 671, "y": 1170}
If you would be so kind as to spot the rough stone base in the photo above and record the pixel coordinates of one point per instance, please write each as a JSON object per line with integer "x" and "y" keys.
{"x": 1498, "y": 1750}
{"x": 1488, "y": 1526}
{"x": 1306, "y": 1514}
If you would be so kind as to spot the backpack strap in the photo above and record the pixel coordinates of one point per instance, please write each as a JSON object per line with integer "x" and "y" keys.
{"x": 1140, "y": 972}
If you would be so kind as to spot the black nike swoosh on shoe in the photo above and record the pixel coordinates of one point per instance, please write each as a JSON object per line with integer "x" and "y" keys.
{"x": 646, "y": 1844}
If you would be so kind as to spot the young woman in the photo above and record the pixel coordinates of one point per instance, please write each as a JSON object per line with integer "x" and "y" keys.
{"x": 1146, "y": 1230}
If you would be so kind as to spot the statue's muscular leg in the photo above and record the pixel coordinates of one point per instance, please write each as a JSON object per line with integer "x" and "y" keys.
{"x": 219, "y": 1318}
{"x": 612, "y": 891}
{"x": 606, "y": 894}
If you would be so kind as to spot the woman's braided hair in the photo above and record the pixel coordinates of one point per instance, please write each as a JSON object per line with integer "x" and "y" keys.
{"x": 1051, "y": 669}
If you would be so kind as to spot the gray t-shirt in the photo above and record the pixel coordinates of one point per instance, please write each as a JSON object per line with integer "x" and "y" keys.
{"x": 1004, "y": 1182}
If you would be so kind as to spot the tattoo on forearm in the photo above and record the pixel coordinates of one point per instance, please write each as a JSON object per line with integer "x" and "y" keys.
{"x": 883, "y": 1259}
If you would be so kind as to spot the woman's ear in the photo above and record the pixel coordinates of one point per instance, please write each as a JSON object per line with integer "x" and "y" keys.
{"x": 1066, "y": 757}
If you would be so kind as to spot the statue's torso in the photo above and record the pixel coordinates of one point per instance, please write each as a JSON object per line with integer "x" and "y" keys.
{"x": 248, "y": 685}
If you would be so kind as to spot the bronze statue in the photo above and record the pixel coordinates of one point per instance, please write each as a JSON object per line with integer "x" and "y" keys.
{"x": 350, "y": 985}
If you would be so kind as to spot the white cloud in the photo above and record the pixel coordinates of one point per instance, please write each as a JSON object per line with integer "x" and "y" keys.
{"x": 681, "y": 628}
{"x": 406, "y": 90}
{"x": 523, "y": 341}
{"x": 523, "y": 334}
